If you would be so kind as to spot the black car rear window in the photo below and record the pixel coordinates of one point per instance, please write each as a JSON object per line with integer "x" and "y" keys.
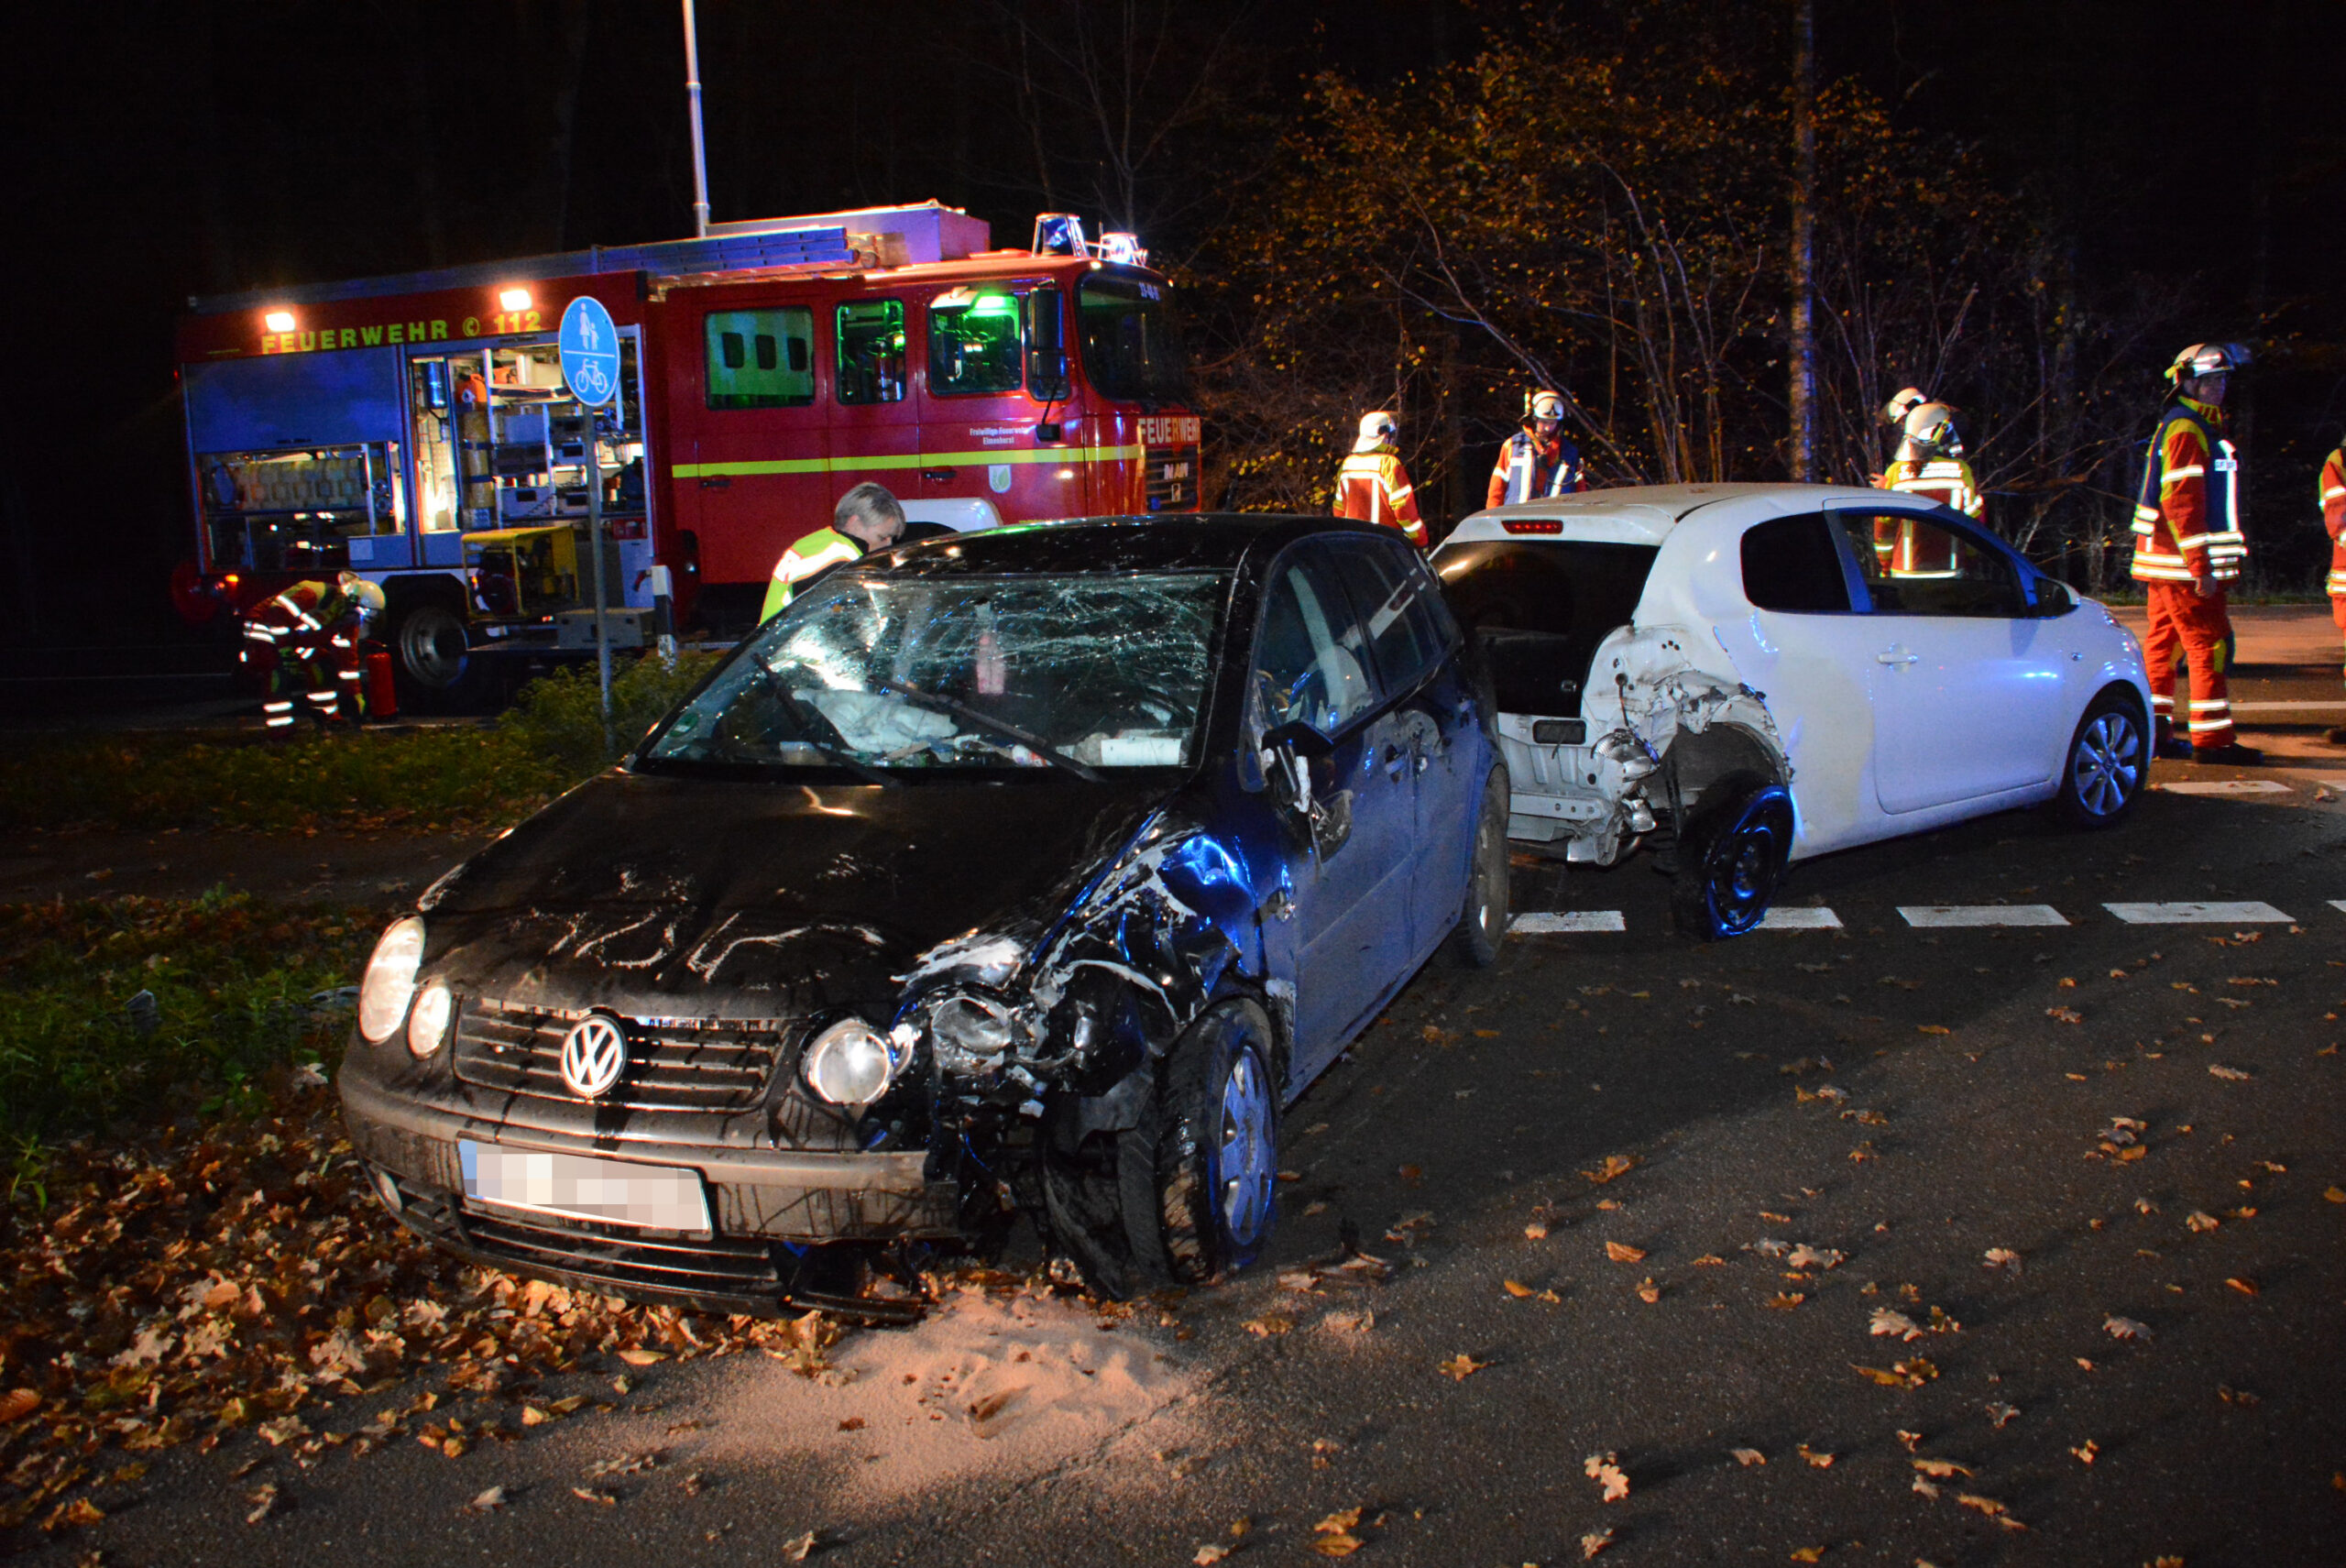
{"x": 1790, "y": 564}
{"x": 1539, "y": 610}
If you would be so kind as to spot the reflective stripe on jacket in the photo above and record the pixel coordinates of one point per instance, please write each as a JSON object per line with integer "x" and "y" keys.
{"x": 2332, "y": 486}
{"x": 817, "y": 553}
{"x": 1946, "y": 480}
{"x": 1374, "y": 487}
{"x": 2186, "y": 515}
{"x": 1526, "y": 470}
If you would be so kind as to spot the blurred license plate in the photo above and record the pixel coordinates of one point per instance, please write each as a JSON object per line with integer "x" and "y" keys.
{"x": 653, "y": 1197}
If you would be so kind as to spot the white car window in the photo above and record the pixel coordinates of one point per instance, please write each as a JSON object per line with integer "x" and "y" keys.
{"x": 1916, "y": 565}
{"x": 1792, "y": 563}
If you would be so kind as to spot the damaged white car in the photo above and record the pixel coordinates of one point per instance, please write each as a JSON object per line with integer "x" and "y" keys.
{"x": 1738, "y": 676}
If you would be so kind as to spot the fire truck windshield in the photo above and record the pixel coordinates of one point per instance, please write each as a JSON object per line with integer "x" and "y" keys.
{"x": 1131, "y": 345}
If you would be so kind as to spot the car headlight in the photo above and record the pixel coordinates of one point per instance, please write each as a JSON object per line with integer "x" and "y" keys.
{"x": 850, "y": 1063}
{"x": 428, "y": 1024}
{"x": 383, "y": 995}
{"x": 969, "y": 1032}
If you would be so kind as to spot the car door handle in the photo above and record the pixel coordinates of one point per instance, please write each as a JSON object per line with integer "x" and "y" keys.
{"x": 717, "y": 484}
{"x": 1895, "y": 657}
{"x": 940, "y": 476}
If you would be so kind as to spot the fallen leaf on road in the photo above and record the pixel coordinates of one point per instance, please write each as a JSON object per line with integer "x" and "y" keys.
{"x": 2335, "y": 1194}
{"x": 1621, "y": 1252}
{"x": 1536, "y": 1231}
{"x": 798, "y": 1548}
{"x": 1648, "y": 1291}
{"x": 2001, "y": 1257}
{"x": 1993, "y": 1509}
{"x": 2230, "y": 1074}
{"x": 1268, "y": 1325}
{"x": 2245, "y": 1287}
{"x": 1785, "y": 1301}
{"x": 1747, "y": 1456}
{"x": 263, "y": 1500}
{"x": 1604, "y": 1469}
{"x": 1886, "y": 1321}
{"x": 1807, "y": 1257}
{"x": 2066, "y": 1014}
{"x": 492, "y": 1498}
{"x": 2127, "y": 1328}
{"x": 18, "y": 1403}
{"x": 1814, "y": 1553}
{"x": 589, "y": 1494}
{"x": 1595, "y": 1543}
{"x": 641, "y": 1357}
{"x": 1210, "y": 1554}
{"x": 1460, "y": 1366}
{"x": 1925, "y": 1487}
{"x": 1907, "y": 1440}
{"x": 1612, "y": 1166}
{"x": 2086, "y": 1451}
{"x": 1516, "y": 1289}
{"x": 1820, "y": 1461}
{"x": 1929, "y": 1029}
{"x": 1709, "y": 1260}
{"x": 1411, "y": 1172}
{"x": 2197, "y": 1221}
{"x": 1343, "y": 1543}
{"x": 1343, "y": 1322}
{"x": 1336, "y": 1523}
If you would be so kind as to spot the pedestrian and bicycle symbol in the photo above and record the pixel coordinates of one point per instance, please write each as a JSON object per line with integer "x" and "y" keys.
{"x": 590, "y": 351}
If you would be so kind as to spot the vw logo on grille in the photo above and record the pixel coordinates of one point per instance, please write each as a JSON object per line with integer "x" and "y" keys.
{"x": 593, "y": 1055}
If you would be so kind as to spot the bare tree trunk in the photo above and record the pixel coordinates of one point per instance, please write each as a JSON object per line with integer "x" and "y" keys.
{"x": 1803, "y": 356}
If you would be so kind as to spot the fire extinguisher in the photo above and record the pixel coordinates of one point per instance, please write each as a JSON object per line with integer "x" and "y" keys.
{"x": 383, "y": 690}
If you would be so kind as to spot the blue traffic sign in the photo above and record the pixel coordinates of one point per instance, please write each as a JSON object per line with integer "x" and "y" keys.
{"x": 590, "y": 351}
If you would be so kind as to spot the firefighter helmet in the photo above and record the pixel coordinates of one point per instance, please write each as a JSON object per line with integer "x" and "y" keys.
{"x": 1376, "y": 430}
{"x": 1930, "y": 431}
{"x": 2207, "y": 359}
{"x": 367, "y": 596}
{"x": 1544, "y": 404}
{"x": 1908, "y": 400}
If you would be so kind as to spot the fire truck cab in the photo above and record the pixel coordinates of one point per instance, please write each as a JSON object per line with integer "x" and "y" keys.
{"x": 416, "y": 428}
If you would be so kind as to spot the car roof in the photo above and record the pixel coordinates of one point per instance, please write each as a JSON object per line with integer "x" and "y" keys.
{"x": 1181, "y": 542}
{"x": 1646, "y": 515}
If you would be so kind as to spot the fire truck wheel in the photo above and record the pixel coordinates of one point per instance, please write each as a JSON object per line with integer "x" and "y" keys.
{"x": 432, "y": 659}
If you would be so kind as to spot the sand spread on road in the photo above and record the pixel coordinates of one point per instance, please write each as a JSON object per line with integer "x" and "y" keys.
{"x": 1002, "y": 1387}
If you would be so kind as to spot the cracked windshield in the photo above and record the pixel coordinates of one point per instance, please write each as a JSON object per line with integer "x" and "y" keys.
{"x": 1081, "y": 673}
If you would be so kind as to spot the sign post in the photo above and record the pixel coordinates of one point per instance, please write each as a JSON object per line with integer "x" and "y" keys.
{"x": 590, "y": 366}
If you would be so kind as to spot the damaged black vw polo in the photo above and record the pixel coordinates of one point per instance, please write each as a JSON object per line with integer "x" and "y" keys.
{"x": 1032, "y": 870}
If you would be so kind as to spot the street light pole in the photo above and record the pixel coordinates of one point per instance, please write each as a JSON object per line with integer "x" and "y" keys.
{"x": 692, "y": 99}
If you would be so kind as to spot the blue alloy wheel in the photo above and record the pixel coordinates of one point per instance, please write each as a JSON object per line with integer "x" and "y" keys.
{"x": 1732, "y": 858}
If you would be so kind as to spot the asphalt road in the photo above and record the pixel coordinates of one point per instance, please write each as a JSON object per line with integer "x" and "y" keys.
{"x": 1899, "y": 1098}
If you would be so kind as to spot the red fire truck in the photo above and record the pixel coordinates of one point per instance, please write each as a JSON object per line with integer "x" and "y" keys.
{"x": 415, "y": 429}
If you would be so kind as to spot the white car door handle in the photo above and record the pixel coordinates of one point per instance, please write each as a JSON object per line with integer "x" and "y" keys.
{"x": 1895, "y": 657}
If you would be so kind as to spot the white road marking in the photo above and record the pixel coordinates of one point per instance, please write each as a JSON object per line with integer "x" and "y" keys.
{"x": 1800, "y": 919}
{"x": 1566, "y": 921}
{"x": 2247, "y": 914}
{"x": 2338, "y": 904}
{"x": 1981, "y": 915}
{"x": 2227, "y": 786}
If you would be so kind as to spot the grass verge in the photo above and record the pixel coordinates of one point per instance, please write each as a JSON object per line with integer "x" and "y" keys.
{"x": 454, "y": 778}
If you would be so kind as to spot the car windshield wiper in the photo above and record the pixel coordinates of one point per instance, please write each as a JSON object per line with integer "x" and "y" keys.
{"x": 806, "y": 719}
{"x": 964, "y": 712}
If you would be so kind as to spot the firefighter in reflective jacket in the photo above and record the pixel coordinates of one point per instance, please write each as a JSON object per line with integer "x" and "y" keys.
{"x": 1929, "y": 464}
{"x": 307, "y": 643}
{"x": 2188, "y": 546}
{"x": 1537, "y": 460}
{"x": 2333, "y": 487}
{"x": 868, "y": 517}
{"x": 1373, "y": 485}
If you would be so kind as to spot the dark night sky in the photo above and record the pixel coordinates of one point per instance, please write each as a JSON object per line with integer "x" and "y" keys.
{"x": 161, "y": 149}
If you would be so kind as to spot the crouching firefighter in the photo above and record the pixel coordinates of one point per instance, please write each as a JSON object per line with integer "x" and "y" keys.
{"x": 1537, "y": 460}
{"x": 2187, "y": 548}
{"x": 310, "y": 643}
{"x": 1929, "y": 463}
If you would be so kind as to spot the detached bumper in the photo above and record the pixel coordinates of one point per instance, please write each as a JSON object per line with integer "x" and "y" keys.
{"x": 764, "y": 1205}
